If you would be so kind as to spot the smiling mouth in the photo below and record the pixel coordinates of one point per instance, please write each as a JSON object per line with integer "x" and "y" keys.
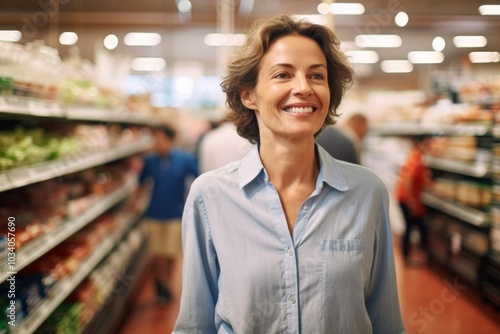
{"x": 300, "y": 110}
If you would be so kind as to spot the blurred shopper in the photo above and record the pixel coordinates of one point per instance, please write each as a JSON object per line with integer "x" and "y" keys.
{"x": 413, "y": 178}
{"x": 170, "y": 170}
{"x": 221, "y": 146}
{"x": 287, "y": 239}
{"x": 356, "y": 128}
{"x": 338, "y": 144}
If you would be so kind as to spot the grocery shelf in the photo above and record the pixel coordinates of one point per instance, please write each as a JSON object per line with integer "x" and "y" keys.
{"x": 102, "y": 115}
{"x": 62, "y": 289}
{"x": 467, "y": 214}
{"x": 38, "y": 247}
{"x": 108, "y": 318}
{"x": 475, "y": 169}
{"x": 24, "y": 106}
{"x": 409, "y": 129}
{"x": 22, "y": 176}
{"x": 496, "y": 130}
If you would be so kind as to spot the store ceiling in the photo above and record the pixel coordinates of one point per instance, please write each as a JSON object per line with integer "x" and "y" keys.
{"x": 183, "y": 34}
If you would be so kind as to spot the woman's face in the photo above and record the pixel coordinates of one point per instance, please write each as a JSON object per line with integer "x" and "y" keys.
{"x": 291, "y": 97}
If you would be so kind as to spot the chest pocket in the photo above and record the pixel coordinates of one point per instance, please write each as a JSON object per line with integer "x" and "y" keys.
{"x": 342, "y": 268}
{"x": 342, "y": 245}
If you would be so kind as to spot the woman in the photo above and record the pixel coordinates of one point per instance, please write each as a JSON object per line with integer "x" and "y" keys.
{"x": 287, "y": 240}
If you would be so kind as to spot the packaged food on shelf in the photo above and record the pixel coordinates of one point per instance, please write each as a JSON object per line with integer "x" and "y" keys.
{"x": 444, "y": 188}
{"x": 87, "y": 295}
{"x": 461, "y": 148}
{"x": 65, "y": 319}
{"x": 3, "y": 245}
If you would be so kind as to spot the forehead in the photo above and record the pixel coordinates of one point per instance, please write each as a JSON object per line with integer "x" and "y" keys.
{"x": 294, "y": 48}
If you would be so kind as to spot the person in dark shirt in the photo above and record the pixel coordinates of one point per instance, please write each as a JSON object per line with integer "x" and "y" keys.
{"x": 169, "y": 169}
{"x": 338, "y": 144}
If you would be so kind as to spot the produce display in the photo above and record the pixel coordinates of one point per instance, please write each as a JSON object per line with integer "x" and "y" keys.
{"x": 20, "y": 147}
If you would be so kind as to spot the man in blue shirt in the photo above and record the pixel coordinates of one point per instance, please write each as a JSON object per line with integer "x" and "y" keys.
{"x": 169, "y": 169}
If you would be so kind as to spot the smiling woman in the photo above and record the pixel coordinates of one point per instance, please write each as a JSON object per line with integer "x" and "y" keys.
{"x": 287, "y": 239}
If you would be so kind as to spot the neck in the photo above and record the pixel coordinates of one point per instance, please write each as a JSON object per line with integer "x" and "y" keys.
{"x": 288, "y": 163}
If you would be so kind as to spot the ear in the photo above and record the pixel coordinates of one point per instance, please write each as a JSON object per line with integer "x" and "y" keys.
{"x": 248, "y": 99}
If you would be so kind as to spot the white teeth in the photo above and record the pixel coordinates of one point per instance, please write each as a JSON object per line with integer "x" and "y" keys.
{"x": 299, "y": 110}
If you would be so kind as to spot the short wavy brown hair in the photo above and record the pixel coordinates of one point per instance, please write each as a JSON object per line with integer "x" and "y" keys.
{"x": 243, "y": 67}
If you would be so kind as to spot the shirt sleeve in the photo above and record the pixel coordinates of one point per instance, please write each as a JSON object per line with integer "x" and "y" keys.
{"x": 200, "y": 271}
{"x": 382, "y": 301}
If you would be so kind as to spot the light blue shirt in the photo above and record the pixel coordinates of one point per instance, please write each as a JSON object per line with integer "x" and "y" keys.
{"x": 244, "y": 273}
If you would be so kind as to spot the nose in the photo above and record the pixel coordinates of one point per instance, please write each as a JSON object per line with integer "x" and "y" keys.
{"x": 301, "y": 86}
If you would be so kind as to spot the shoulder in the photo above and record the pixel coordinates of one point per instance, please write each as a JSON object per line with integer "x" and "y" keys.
{"x": 218, "y": 179}
{"x": 150, "y": 158}
{"x": 360, "y": 176}
{"x": 181, "y": 154}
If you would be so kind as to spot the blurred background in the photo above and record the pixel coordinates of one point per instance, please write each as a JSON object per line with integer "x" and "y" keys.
{"x": 83, "y": 82}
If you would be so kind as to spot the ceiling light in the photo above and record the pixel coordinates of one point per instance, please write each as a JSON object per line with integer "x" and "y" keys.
{"x": 110, "y": 42}
{"x": 142, "y": 39}
{"x": 362, "y": 57}
{"x": 217, "y": 39}
{"x": 470, "y": 41}
{"x": 184, "y": 6}
{"x": 148, "y": 64}
{"x": 484, "y": 57}
{"x": 438, "y": 43}
{"x": 396, "y": 66}
{"x": 10, "y": 35}
{"x": 324, "y": 8}
{"x": 378, "y": 41}
{"x": 339, "y": 8}
{"x": 425, "y": 57}
{"x": 401, "y": 19}
{"x": 68, "y": 38}
{"x": 489, "y": 10}
{"x": 313, "y": 18}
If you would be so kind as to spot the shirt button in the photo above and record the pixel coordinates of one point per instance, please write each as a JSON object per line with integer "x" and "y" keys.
{"x": 290, "y": 251}
{"x": 293, "y": 300}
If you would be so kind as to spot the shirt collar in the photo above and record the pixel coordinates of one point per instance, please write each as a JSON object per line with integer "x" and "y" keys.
{"x": 251, "y": 166}
{"x": 329, "y": 171}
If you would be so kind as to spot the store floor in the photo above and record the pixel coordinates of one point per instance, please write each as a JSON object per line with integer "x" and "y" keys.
{"x": 432, "y": 302}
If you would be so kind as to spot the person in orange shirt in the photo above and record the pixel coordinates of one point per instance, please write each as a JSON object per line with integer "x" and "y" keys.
{"x": 413, "y": 178}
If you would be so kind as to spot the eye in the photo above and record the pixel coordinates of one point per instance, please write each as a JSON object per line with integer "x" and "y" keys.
{"x": 281, "y": 75}
{"x": 317, "y": 76}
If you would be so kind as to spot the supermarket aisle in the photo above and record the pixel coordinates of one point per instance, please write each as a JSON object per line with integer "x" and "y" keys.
{"x": 435, "y": 302}
{"x": 145, "y": 316}
{"x": 432, "y": 303}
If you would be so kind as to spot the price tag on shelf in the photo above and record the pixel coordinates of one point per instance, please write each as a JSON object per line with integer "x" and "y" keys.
{"x": 37, "y": 108}
{"x": 3, "y": 103}
{"x": 4, "y": 182}
{"x": 53, "y": 109}
{"x": 46, "y": 169}
{"x": 21, "y": 176}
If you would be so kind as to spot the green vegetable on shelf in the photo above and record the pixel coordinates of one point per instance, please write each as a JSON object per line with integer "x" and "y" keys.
{"x": 21, "y": 147}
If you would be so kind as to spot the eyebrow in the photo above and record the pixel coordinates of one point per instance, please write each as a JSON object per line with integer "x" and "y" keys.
{"x": 291, "y": 66}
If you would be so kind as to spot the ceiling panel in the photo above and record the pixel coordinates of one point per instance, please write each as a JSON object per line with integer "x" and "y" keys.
{"x": 93, "y": 19}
